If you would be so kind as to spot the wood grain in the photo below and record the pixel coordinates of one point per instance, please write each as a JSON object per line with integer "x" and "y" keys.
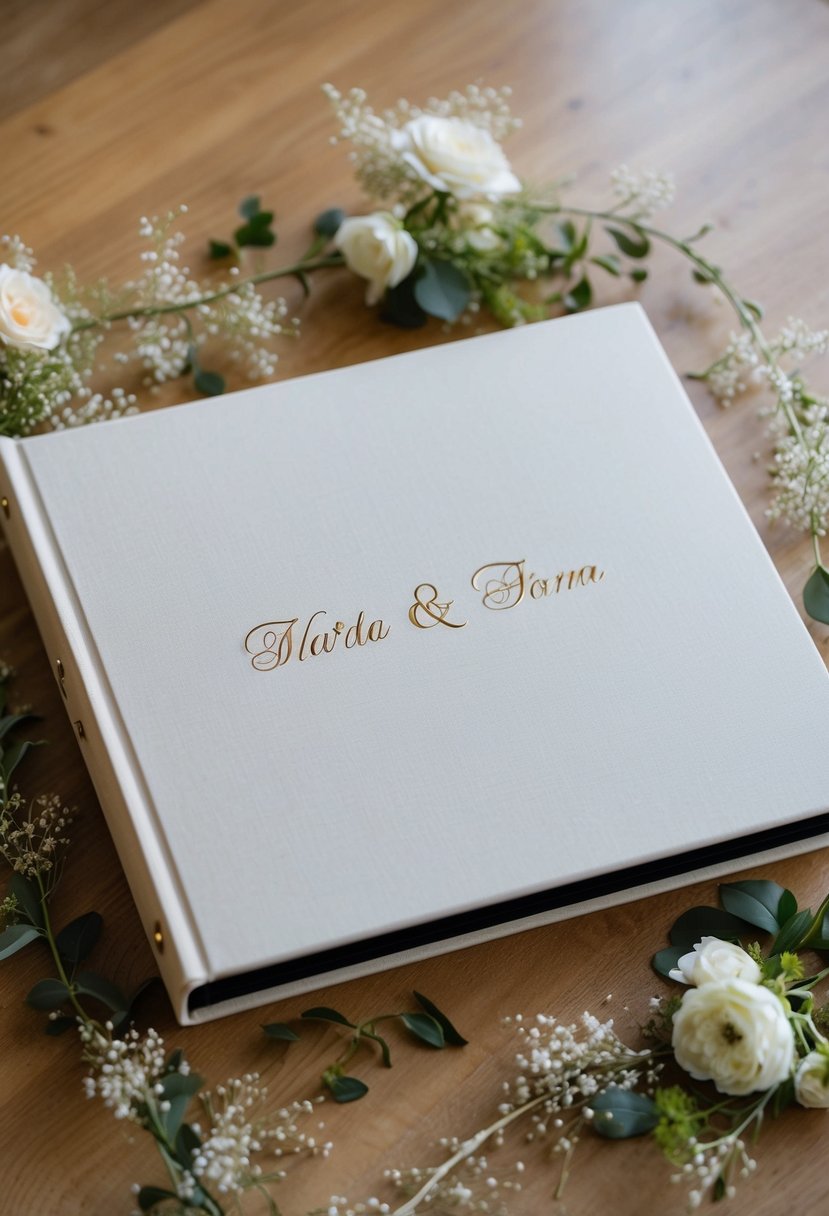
{"x": 207, "y": 101}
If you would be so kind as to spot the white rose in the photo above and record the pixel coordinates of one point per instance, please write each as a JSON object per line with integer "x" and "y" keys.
{"x": 811, "y": 1081}
{"x": 29, "y": 317}
{"x": 713, "y": 959}
{"x": 377, "y": 248}
{"x": 455, "y": 156}
{"x": 734, "y": 1033}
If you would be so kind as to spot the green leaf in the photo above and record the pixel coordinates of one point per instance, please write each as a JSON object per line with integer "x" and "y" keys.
{"x": 608, "y": 262}
{"x": 793, "y": 932}
{"x": 632, "y": 242}
{"x": 328, "y": 222}
{"x": 56, "y": 1026}
{"x": 639, "y": 274}
{"x": 621, "y": 1113}
{"x": 817, "y": 935}
{"x": 10, "y": 721}
{"x": 149, "y": 1196}
{"x": 48, "y": 994}
{"x": 91, "y": 984}
{"x": 701, "y": 276}
{"x": 346, "y": 1089}
{"x": 15, "y": 937}
{"x": 786, "y": 908}
{"x": 578, "y": 297}
{"x": 188, "y": 1142}
{"x": 257, "y": 231}
{"x": 219, "y": 249}
{"x": 400, "y": 306}
{"x": 816, "y": 595}
{"x": 178, "y": 1089}
{"x": 424, "y": 1027}
{"x": 14, "y": 755}
{"x": 450, "y": 1034}
{"x": 783, "y": 1096}
{"x": 384, "y": 1047}
{"x": 718, "y": 1191}
{"x": 76, "y": 940}
{"x": 28, "y": 898}
{"x": 756, "y": 901}
{"x": 209, "y": 383}
{"x": 442, "y": 289}
{"x": 665, "y": 960}
{"x": 322, "y": 1013}
{"x": 697, "y": 923}
{"x": 567, "y": 233}
{"x": 302, "y": 279}
{"x": 279, "y": 1030}
{"x": 754, "y": 308}
{"x": 250, "y": 206}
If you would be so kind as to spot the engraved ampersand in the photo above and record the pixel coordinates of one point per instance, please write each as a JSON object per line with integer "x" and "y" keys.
{"x": 428, "y": 611}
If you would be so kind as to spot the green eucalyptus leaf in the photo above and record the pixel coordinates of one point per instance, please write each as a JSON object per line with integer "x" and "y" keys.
{"x": 15, "y": 937}
{"x": 793, "y": 933}
{"x": 567, "y": 233}
{"x": 188, "y": 1142}
{"x": 400, "y": 306}
{"x": 639, "y": 274}
{"x": 328, "y": 222}
{"x": 665, "y": 960}
{"x": 174, "y": 1060}
{"x": 718, "y": 1191}
{"x": 622, "y": 1113}
{"x": 76, "y": 940}
{"x": 250, "y": 206}
{"x": 817, "y": 935}
{"x": 578, "y": 297}
{"x": 442, "y": 289}
{"x": 787, "y": 907}
{"x": 26, "y": 893}
{"x": 219, "y": 249}
{"x": 322, "y": 1013}
{"x": 178, "y": 1090}
{"x": 279, "y": 1030}
{"x": 48, "y": 995}
{"x": 632, "y": 242}
{"x": 57, "y": 1026}
{"x": 10, "y": 721}
{"x": 697, "y": 923}
{"x": 756, "y": 901}
{"x": 424, "y": 1027}
{"x": 211, "y": 384}
{"x": 257, "y": 231}
{"x": 14, "y": 755}
{"x": 450, "y": 1034}
{"x": 149, "y": 1196}
{"x": 346, "y": 1089}
{"x": 608, "y": 262}
{"x": 816, "y": 595}
{"x": 89, "y": 983}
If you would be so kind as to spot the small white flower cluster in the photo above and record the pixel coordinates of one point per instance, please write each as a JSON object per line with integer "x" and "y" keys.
{"x": 248, "y": 323}
{"x": 16, "y": 253}
{"x": 797, "y": 340}
{"x": 473, "y": 1186}
{"x": 32, "y": 834}
{"x": 642, "y": 194}
{"x": 338, "y": 1205}
{"x": 709, "y": 1163}
{"x": 801, "y": 473}
{"x": 126, "y": 1073}
{"x": 735, "y": 369}
{"x": 239, "y": 1128}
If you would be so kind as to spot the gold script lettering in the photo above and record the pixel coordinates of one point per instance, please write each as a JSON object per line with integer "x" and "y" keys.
{"x": 270, "y": 644}
{"x": 502, "y": 584}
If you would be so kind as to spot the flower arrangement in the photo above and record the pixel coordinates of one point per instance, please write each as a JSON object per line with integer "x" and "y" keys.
{"x": 746, "y": 1024}
{"x": 454, "y": 235}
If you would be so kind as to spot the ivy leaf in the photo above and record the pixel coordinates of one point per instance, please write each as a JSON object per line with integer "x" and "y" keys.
{"x": 442, "y": 289}
{"x": 149, "y": 1196}
{"x": 15, "y": 937}
{"x": 816, "y": 595}
{"x": 211, "y": 384}
{"x": 400, "y": 306}
{"x": 279, "y": 1030}
{"x": 793, "y": 932}
{"x": 328, "y": 222}
{"x": 756, "y": 901}
{"x": 322, "y": 1013}
{"x": 57, "y": 1026}
{"x": 697, "y": 923}
{"x": 48, "y": 995}
{"x": 345, "y": 1089}
{"x": 578, "y": 297}
{"x": 76, "y": 940}
{"x": 28, "y": 898}
{"x": 632, "y": 242}
{"x": 219, "y": 249}
{"x": 424, "y": 1027}
{"x": 250, "y": 206}
{"x": 608, "y": 262}
{"x": 621, "y": 1113}
{"x": 665, "y": 960}
{"x": 91, "y": 984}
{"x": 450, "y": 1034}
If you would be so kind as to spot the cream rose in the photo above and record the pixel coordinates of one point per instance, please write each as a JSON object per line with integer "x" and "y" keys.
{"x": 811, "y": 1081}
{"x": 712, "y": 959}
{"x": 734, "y": 1033}
{"x": 29, "y": 317}
{"x": 455, "y": 156}
{"x": 377, "y": 248}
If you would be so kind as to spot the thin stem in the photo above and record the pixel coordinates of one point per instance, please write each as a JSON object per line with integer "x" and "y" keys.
{"x": 58, "y": 961}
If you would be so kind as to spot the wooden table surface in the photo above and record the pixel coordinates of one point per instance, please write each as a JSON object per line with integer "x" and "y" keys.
{"x": 118, "y": 109}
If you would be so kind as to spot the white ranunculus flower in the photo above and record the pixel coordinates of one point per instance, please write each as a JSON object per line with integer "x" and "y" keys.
{"x": 455, "y": 156}
{"x": 377, "y": 248}
{"x": 734, "y": 1033}
{"x": 811, "y": 1081}
{"x": 29, "y": 317}
{"x": 713, "y": 959}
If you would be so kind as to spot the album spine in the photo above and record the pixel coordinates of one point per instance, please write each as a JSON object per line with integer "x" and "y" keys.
{"x": 99, "y": 728}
